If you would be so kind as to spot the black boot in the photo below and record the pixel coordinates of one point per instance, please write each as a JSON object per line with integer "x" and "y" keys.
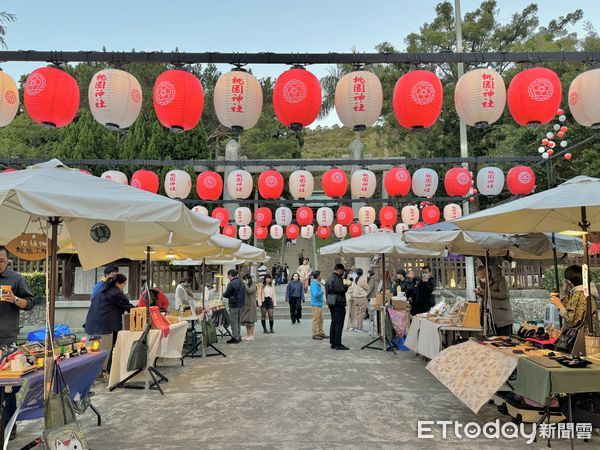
{"x": 271, "y": 321}
{"x": 264, "y": 324}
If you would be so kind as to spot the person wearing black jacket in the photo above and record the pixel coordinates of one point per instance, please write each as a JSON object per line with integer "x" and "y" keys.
{"x": 236, "y": 294}
{"x": 424, "y": 298}
{"x": 335, "y": 286}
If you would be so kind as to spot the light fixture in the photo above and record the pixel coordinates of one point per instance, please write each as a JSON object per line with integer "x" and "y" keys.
{"x": 171, "y": 254}
{"x": 573, "y": 233}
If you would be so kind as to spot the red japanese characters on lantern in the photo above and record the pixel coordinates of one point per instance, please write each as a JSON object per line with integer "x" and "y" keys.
{"x": 584, "y": 99}
{"x": 297, "y": 98}
{"x": 238, "y": 100}
{"x": 452, "y": 211}
{"x": 239, "y": 184}
{"x": 334, "y": 183}
{"x": 372, "y": 228}
{"x": 366, "y": 215}
{"x": 283, "y": 216}
{"x": 401, "y": 228}
{"x": 276, "y": 232}
{"x": 410, "y": 215}
{"x": 304, "y": 215}
{"x": 490, "y": 181}
{"x": 301, "y": 184}
{"x": 458, "y": 182}
{"x": 534, "y": 95}
{"x": 209, "y": 185}
{"x": 355, "y": 229}
{"x": 307, "y": 232}
{"x": 323, "y": 232}
{"x": 263, "y": 216}
{"x": 358, "y": 99}
{"x": 397, "y": 182}
{"x": 340, "y": 231}
{"x": 418, "y": 97}
{"x": 178, "y": 184}
{"x": 261, "y": 233}
{"x": 479, "y": 97}
{"x": 363, "y": 184}
{"x": 292, "y": 231}
{"x": 325, "y": 216}
{"x": 245, "y": 232}
{"x": 222, "y": 215}
{"x": 145, "y": 180}
{"x": 431, "y": 214}
{"x": 270, "y": 184}
{"x": 388, "y": 216}
{"x": 425, "y": 183}
{"x": 178, "y": 100}
{"x": 9, "y": 99}
{"x": 230, "y": 230}
{"x": 242, "y": 216}
{"x": 115, "y": 98}
{"x": 115, "y": 175}
{"x": 520, "y": 180}
{"x": 344, "y": 215}
{"x": 199, "y": 209}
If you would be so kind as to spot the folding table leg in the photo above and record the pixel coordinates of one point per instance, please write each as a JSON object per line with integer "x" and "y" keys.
{"x": 93, "y": 408}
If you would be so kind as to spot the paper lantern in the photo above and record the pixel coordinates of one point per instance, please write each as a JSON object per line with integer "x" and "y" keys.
{"x": 9, "y": 99}
{"x": 418, "y": 225}
{"x": 230, "y": 230}
{"x": 301, "y": 184}
{"x": 178, "y": 100}
{"x": 178, "y": 184}
{"x": 292, "y": 231}
{"x": 584, "y": 98}
{"x": 222, "y": 215}
{"x": 363, "y": 184}
{"x": 145, "y": 180}
{"x": 270, "y": 184}
{"x": 261, "y": 233}
{"x": 372, "y": 228}
{"x": 520, "y": 180}
{"x": 418, "y": 97}
{"x": 245, "y": 232}
{"x": 425, "y": 183}
{"x": 358, "y": 99}
{"x": 490, "y": 181}
{"x": 334, "y": 183}
{"x": 304, "y": 215}
{"x": 340, "y": 231}
{"x": 534, "y": 95}
{"x": 239, "y": 184}
{"x": 366, "y": 215}
{"x": 198, "y": 209}
{"x": 458, "y": 182}
{"x": 355, "y": 229}
{"x": 397, "y": 182}
{"x": 431, "y": 214}
{"x": 115, "y": 98}
{"x": 276, "y": 231}
{"x": 115, "y": 175}
{"x": 263, "y": 216}
{"x": 325, "y": 216}
{"x": 410, "y": 214}
{"x": 242, "y": 216}
{"x": 297, "y": 98}
{"x": 51, "y": 97}
{"x": 87, "y": 172}
{"x": 8, "y": 170}
{"x": 307, "y": 232}
{"x": 238, "y": 100}
{"x": 344, "y": 215}
{"x": 452, "y": 211}
{"x": 209, "y": 185}
{"x": 479, "y": 97}
{"x": 401, "y": 228}
{"x": 283, "y": 216}
{"x": 388, "y": 216}
{"x": 323, "y": 232}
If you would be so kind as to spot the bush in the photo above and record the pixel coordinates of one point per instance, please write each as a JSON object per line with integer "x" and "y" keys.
{"x": 36, "y": 282}
{"x": 550, "y": 283}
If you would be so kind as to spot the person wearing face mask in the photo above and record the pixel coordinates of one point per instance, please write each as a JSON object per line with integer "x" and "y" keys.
{"x": 304, "y": 271}
{"x": 248, "y": 316}
{"x": 183, "y": 297}
{"x": 424, "y": 298}
{"x": 502, "y": 314}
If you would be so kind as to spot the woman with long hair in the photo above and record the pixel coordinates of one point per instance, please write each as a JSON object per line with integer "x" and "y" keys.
{"x": 294, "y": 295}
{"x": 248, "y": 316}
{"x": 304, "y": 271}
{"x": 573, "y": 304}
{"x": 359, "y": 297}
{"x": 267, "y": 300}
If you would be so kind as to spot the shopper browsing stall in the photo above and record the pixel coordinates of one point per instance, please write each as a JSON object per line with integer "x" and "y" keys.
{"x": 109, "y": 272}
{"x": 236, "y": 294}
{"x": 248, "y": 317}
{"x": 359, "y": 297}
{"x": 502, "y": 314}
{"x": 424, "y": 298}
{"x": 157, "y": 298}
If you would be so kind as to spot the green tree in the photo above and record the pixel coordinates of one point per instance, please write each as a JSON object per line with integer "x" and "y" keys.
{"x": 5, "y": 18}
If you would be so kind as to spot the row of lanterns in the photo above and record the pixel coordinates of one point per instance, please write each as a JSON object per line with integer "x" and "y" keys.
{"x": 51, "y": 98}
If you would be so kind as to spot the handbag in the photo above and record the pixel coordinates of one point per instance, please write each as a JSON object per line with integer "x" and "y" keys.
{"x": 138, "y": 357}
{"x": 331, "y": 299}
{"x": 58, "y": 408}
{"x": 209, "y": 332}
{"x": 69, "y": 436}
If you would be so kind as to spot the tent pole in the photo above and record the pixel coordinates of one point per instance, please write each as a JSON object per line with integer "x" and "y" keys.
{"x": 52, "y": 287}
{"x": 383, "y": 306}
{"x": 203, "y": 283}
{"x": 487, "y": 323}
{"x": 584, "y": 224}
{"x": 554, "y": 255}
{"x": 148, "y": 284}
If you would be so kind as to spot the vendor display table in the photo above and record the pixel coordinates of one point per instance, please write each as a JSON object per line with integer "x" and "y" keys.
{"x": 172, "y": 345}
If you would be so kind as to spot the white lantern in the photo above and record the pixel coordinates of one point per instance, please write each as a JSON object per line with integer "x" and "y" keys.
{"x": 425, "y": 183}
{"x": 307, "y": 232}
{"x": 239, "y": 184}
{"x": 366, "y": 215}
{"x": 283, "y": 216}
{"x": 401, "y": 228}
{"x": 325, "y": 216}
{"x": 276, "y": 231}
{"x": 301, "y": 184}
{"x": 410, "y": 215}
{"x": 242, "y": 216}
{"x": 115, "y": 98}
{"x": 340, "y": 231}
{"x": 584, "y": 98}
{"x": 490, "y": 181}
{"x": 363, "y": 184}
{"x": 245, "y": 232}
{"x": 9, "y": 99}
{"x": 198, "y": 209}
{"x": 370, "y": 228}
{"x": 479, "y": 97}
{"x": 358, "y": 99}
{"x": 178, "y": 184}
{"x": 115, "y": 175}
{"x": 452, "y": 211}
{"x": 238, "y": 100}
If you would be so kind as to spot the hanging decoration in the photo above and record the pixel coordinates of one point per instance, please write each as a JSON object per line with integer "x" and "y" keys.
{"x": 410, "y": 214}
{"x": 340, "y": 231}
{"x": 366, "y": 215}
{"x": 344, "y": 215}
{"x": 401, "y": 228}
{"x": 363, "y": 183}
{"x": 418, "y": 225}
{"x": 334, "y": 183}
{"x": 301, "y": 184}
{"x": 297, "y": 98}
{"x": 425, "y": 182}
{"x": 244, "y": 232}
{"x": 397, "y": 182}
{"x": 238, "y": 100}
{"x": 323, "y": 232}
{"x": 490, "y": 181}
{"x": 239, "y": 184}
{"x": 9, "y": 99}
{"x": 263, "y": 216}
{"x": 115, "y": 175}
{"x": 276, "y": 232}
{"x": 230, "y": 230}
{"x": 431, "y": 214}
{"x": 355, "y": 229}
{"x": 358, "y": 99}
{"x": 9, "y": 170}
{"x": 87, "y": 172}
{"x": 520, "y": 180}
{"x": 307, "y": 232}
{"x": 452, "y": 211}
{"x": 283, "y": 216}
{"x": 372, "y": 228}
{"x": 324, "y": 216}
{"x": 418, "y": 98}
{"x": 209, "y": 185}
{"x": 242, "y": 216}
{"x": 479, "y": 97}
{"x": 292, "y": 231}
{"x": 199, "y": 209}
{"x": 222, "y": 215}
{"x": 388, "y": 216}
{"x": 270, "y": 184}
{"x": 534, "y": 95}
{"x": 550, "y": 138}
{"x": 178, "y": 184}
{"x": 458, "y": 182}
{"x": 584, "y": 98}
{"x": 261, "y": 233}
{"x": 145, "y": 180}
{"x": 304, "y": 216}
{"x": 178, "y": 100}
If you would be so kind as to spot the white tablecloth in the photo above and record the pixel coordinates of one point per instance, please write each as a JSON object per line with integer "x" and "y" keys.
{"x": 172, "y": 345}
{"x": 424, "y": 337}
{"x": 125, "y": 340}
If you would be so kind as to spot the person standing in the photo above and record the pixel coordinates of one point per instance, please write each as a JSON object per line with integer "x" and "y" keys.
{"x": 262, "y": 271}
{"x": 350, "y": 303}
{"x": 285, "y": 276}
{"x": 249, "y": 312}
{"x": 304, "y": 270}
{"x": 236, "y": 294}
{"x": 336, "y": 287}
{"x": 502, "y": 314}
{"x": 267, "y": 300}
{"x": 294, "y": 295}
{"x": 316, "y": 303}
{"x": 109, "y": 272}
{"x": 424, "y": 298}
{"x": 301, "y": 257}
{"x": 183, "y": 298}
{"x": 359, "y": 296}
{"x": 372, "y": 282}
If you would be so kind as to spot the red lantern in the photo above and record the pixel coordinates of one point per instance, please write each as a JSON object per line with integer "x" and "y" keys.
{"x": 520, "y": 180}
{"x": 292, "y": 231}
{"x": 388, "y": 216}
{"x": 222, "y": 215}
{"x": 146, "y": 180}
{"x": 418, "y": 97}
{"x": 209, "y": 185}
{"x": 355, "y": 229}
{"x": 323, "y": 232}
{"x": 534, "y": 95}
{"x": 304, "y": 216}
{"x": 8, "y": 170}
{"x": 297, "y": 98}
{"x": 334, "y": 183}
{"x": 263, "y": 216}
{"x": 418, "y": 225}
{"x": 178, "y": 100}
{"x": 87, "y": 172}
{"x": 458, "y": 182}
{"x": 51, "y": 97}
{"x": 270, "y": 184}
{"x": 261, "y": 233}
{"x": 397, "y": 182}
{"x": 344, "y": 215}
{"x": 431, "y": 214}
{"x": 230, "y": 230}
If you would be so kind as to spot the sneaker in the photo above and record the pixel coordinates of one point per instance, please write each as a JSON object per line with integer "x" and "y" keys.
{"x": 317, "y": 337}
{"x": 324, "y": 336}
{"x": 266, "y": 331}
{"x": 332, "y": 346}
{"x": 342, "y": 347}
{"x": 360, "y": 330}
{"x": 232, "y": 341}
{"x": 349, "y": 329}
{"x": 249, "y": 338}
{"x": 238, "y": 341}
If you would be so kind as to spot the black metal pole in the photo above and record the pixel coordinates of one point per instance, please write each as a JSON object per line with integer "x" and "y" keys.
{"x": 52, "y": 288}
{"x": 586, "y": 256}
{"x": 554, "y": 254}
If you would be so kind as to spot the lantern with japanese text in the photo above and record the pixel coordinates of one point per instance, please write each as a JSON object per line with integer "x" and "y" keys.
{"x": 410, "y": 214}
{"x": 458, "y": 182}
{"x": 115, "y": 175}
{"x": 323, "y": 232}
{"x": 401, "y": 228}
{"x": 292, "y": 231}
{"x": 263, "y": 216}
{"x": 209, "y": 185}
{"x": 242, "y": 216}
{"x": 397, "y": 182}
{"x": 490, "y": 181}
{"x": 178, "y": 184}
{"x": 479, "y": 97}
{"x": 372, "y": 228}
{"x": 424, "y": 183}
{"x": 584, "y": 98}
{"x": 301, "y": 184}
{"x": 418, "y": 97}
{"x": 304, "y": 215}
{"x": 334, "y": 183}
{"x": 297, "y": 98}
{"x": 452, "y": 211}
{"x": 307, "y": 232}
{"x": 363, "y": 184}
{"x": 358, "y": 99}
{"x": 244, "y": 232}
{"x": 199, "y": 209}
{"x": 431, "y": 214}
{"x": 270, "y": 184}
{"x": 230, "y": 230}
{"x": 520, "y": 180}
{"x": 261, "y": 233}
{"x": 222, "y": 215}
{"x": 283, "y": 216}
{"x": 340, "y": 231}
{"x": 325, "y": 216}
{"x": 366, "y": 215}
{"x": 145, "y": 180}
{"x": 115, "y": 98}
{"x": 355, "y": 229}
{"x": 238, "y": 100}
{"x": 276, "y": 232}
{"x": 388, "y": 216}
{"x": 51, "y": 97}
{"x": 178, "y": 100}
{"x": 344, "y": 215}
{"x": 9, "y": 99}
{"x": 239, "y": 184}
{"x": 534, "y": 96}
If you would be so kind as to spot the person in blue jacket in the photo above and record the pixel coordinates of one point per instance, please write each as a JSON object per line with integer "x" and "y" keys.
{"x": 294, "y": 294}
{"x": 316, "y": 302}
{"x": 109, "y": 272}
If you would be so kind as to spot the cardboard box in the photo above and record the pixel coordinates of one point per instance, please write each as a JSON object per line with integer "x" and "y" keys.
{"x": 399, "y": 304}
{"x": 378, "y": 299}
